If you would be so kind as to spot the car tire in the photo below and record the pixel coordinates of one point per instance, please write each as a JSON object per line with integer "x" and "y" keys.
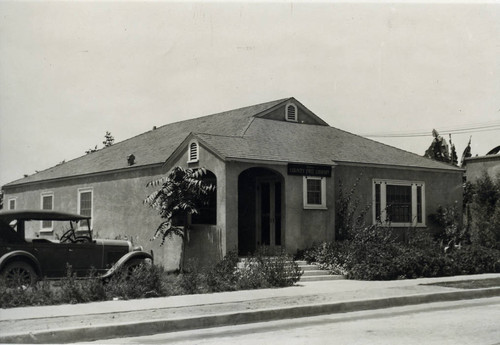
{"x": 133, "y": 264}
{"x": 19, "y": 274}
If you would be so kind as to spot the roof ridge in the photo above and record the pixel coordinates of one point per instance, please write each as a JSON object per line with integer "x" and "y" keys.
{"x": 217, "y": 135}
{"x": 196, "y": 118}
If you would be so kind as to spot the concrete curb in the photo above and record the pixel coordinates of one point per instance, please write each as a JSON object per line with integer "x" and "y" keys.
{"x": 132, "y": 329}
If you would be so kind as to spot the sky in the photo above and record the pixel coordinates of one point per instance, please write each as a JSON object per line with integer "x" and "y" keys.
{"x": 70, "y": 71}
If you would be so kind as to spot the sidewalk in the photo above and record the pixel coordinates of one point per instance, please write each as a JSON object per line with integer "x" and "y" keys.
{"x": 113, "y": 319}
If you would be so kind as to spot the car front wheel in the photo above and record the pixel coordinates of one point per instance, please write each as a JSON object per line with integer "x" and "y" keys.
{"x": 19, "y": 274}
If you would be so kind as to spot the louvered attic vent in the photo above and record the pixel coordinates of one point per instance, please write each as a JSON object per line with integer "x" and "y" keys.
{"x": 193, "y": 152}
{"x": 291, "y": 112}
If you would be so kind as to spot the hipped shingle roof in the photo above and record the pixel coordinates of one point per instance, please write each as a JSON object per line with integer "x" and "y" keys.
{"x": 241, "y": 134}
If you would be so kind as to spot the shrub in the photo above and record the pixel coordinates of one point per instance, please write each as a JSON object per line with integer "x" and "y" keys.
{"x": 268, "y": 269}
{"x": 264, "y": 270}
{"x": 374, "y": 254}
{"x": 40, "y": 294}
{"x": 278, "y": 268}
{"x": 349, "y": 217}
{"x": 223, "y": 277}
{"x": 76, "y": 290}
{"x": 140, "y": 282}
{"x": 476, "y": 259}
{"x": 483, "y": 213}
{"x": 331, "y": 256}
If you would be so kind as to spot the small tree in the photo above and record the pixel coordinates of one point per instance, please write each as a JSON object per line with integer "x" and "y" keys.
{"x": 181, "y": 193}
{"x": 438, "y": 150}
{"x": 108, "y": 139}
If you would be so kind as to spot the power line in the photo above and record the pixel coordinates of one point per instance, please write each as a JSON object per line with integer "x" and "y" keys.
{"x": 457, "y": 130}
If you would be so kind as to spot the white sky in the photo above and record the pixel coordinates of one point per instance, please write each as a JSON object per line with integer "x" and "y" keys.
{"x": 70, "y": 71}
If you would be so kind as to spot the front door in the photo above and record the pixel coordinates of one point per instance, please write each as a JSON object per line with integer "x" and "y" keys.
{"x": 268, "y": 213}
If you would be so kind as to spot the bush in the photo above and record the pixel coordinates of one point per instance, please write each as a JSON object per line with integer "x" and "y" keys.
{"x": 375, "y": 254}
{"x": 264, "y": 270}
{"x": 483, "y": 212}
{"x": 140, "y": 282}
{"x": 223, "y": 277}
{"x": 268, "y": 269}
{"x": 40, "y": 294}
{"x": 331, "y": 256}
{"x": 476, "y": 259}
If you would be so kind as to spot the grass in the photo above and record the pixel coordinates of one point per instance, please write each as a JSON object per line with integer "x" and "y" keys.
{"x": 471, "y": 284}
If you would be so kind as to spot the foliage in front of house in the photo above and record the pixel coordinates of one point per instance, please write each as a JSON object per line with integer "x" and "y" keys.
{"x": 260, "y": 271}
{"x": 374, "y": 254}
{"x": 181, "y": 194}
{"x": 464, "y": 246}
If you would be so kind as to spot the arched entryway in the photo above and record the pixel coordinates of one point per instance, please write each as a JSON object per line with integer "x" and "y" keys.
{"x": 260, "y": 210}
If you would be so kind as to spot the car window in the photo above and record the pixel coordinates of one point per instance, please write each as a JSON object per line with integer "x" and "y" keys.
{"x": 7, "y": 234}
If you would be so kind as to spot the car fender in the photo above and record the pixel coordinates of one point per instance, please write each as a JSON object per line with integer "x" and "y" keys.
{"x": 125, "y": 259}
{"x": 24, "y": 256}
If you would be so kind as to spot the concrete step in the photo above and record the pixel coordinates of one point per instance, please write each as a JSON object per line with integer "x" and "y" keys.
{"x": 321, "y": 278}
{"x": 313, "y": 273}
{"x": 316, "y": 273}
{"x": 308, "y": 267}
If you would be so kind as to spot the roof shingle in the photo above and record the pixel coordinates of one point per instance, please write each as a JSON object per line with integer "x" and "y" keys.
{"x": 240, "y": 134}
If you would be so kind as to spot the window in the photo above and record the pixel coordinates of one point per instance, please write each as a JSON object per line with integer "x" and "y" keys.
{"x": 85, "y": 204}
{"x": 47, "y": 204}
{"x": 314, "y": 192}
{"x": 291, "y": 112}
{"x": 193, "y": 152}
{"x": 12, "y": 204}
{"x": 399, "y": 203}
{"x": 208, "y": 207}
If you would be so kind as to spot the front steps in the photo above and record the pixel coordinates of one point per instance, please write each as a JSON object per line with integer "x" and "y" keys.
{"x": 313, "y": 274}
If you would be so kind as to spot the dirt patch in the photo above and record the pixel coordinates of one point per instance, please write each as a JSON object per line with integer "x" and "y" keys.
{"x": 470, "y": 284}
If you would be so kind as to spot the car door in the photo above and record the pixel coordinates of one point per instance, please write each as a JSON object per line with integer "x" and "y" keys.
{"x": 52, "y": 256}
{"x": 85, "y": 256}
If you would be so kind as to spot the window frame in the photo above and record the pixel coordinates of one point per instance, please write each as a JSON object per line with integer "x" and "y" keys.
{"x": 308, "y": 206}
{"x": 197, "y": 158}
{"x": 42, "y": 197}
{"x": 296, "y": 118}
{"x": 9, "y": 201}
{"x": 82, "y": 226}
{"x": 381, "y": 205}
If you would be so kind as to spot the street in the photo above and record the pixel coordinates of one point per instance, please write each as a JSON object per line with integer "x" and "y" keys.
{"x": 460, "y": 322}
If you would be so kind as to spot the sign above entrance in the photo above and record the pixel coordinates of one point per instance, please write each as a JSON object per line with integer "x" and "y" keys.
{"x": 309, "y": 170}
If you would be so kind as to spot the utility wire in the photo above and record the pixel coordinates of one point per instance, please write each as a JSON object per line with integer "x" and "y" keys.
{"x": 457, "y": 130}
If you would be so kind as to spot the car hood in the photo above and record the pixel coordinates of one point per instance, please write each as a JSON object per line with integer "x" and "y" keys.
{"x": 116, "y": 243}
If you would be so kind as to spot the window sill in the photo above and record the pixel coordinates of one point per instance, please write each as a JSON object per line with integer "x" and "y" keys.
{"x": 403, "y": 225}
{"x": 45, "y": 231}
{"x": 315, "y": 207}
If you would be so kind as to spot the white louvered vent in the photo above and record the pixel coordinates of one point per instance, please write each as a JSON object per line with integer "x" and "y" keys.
{"x": 291, "y": 113}
{"x": 193, "y": 152}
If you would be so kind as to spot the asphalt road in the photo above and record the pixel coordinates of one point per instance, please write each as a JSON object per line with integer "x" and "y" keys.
{"x": 460, "y": 322}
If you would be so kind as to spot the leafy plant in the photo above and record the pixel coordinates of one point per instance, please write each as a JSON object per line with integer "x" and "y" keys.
{"x": 349, "y": 216}
{"x": 180, "y": 194}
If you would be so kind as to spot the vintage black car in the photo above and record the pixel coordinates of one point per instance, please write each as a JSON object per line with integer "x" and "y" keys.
{"x": 25, "y": 260}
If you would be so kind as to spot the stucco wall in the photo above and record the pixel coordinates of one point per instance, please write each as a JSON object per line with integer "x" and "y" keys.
{"x": 441, "y": 188}
{"x": 118, "y": 209}
{"x": 477, "y": 166}
{"x": 301, "y": 227}
{"x": 207, "y": 243}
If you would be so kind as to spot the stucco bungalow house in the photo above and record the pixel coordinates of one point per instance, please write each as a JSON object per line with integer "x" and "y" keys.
{"x": 277, "y": 167}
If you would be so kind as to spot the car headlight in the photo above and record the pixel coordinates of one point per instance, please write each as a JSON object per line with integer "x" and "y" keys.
{"x": 138, "y": 249}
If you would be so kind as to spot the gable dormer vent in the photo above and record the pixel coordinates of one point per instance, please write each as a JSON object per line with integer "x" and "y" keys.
{"x": 193, "y": 152}
{"x": 291, "y": 112}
